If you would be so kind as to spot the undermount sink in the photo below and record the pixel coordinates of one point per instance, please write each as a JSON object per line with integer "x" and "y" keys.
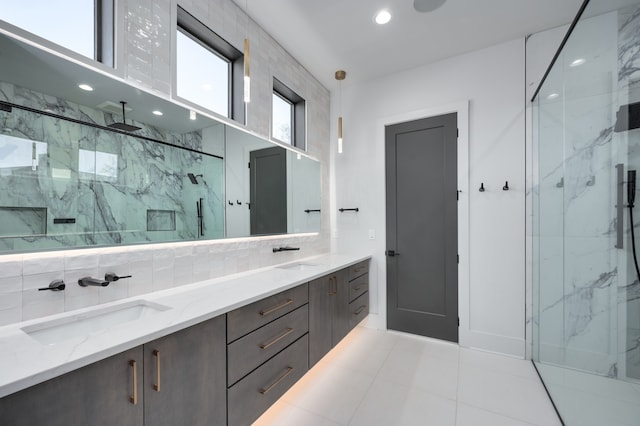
{"x": 299, "y": 266}
{"x": 91, "y": 322}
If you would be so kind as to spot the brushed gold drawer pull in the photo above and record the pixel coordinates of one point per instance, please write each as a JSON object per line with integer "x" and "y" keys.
{"x": 156, "y": 386}
{"x": 134, "y": 399}
{"x": 264, "y": 391}
{"x": 275, "y": 308}
{"x": 360, "y": 309}
{"x": 357, "y": 288}
{"x": 276, "y": 339}
{"x": 359, "y": 269}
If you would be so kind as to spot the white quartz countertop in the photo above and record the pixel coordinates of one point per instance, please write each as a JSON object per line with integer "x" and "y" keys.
{"x": 25, "y": 361}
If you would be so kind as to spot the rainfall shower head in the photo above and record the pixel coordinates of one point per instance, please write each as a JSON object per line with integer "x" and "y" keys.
{"x": 193, "y": 178}
{"x": 123, "y": 126}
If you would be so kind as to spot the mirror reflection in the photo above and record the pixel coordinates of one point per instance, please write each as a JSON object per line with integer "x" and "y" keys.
{"x": 72, "y": 175}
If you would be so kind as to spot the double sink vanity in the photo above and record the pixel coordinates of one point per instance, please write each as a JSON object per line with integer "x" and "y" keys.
{"x": 216, "y": 352}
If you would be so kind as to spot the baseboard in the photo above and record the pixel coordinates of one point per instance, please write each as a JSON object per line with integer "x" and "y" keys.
{"x": 493, "y": 343}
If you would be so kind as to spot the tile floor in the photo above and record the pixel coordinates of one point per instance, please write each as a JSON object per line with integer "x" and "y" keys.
{"x": 589, "y": 400}
{"x": 376, "y": 377}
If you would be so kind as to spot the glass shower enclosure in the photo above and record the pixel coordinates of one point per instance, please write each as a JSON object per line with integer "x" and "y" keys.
{"x": 586, "y": 289}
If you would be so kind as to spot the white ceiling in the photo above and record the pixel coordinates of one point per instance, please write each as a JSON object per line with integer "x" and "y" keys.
{"x": 327, "y": 35}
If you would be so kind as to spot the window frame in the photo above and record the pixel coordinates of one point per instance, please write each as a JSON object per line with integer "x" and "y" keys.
{"x": 298, "y": 114}
{"x": 188, "y": 25}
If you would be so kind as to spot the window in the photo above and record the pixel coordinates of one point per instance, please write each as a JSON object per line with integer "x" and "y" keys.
{"x": 208, "y": 69}
{"x": 282, "y": 119}
{"x": 84, "y": 26}
{"x": 288, "y": 116}
{"x": 207, "y": 83}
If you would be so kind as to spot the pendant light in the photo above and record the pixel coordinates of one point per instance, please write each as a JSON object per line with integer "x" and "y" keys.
{"x": 340, "y": 75}
{"x": 247, "y": 59}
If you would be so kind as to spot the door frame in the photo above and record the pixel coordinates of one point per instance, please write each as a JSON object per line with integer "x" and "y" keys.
{"x": 462, "y": 109}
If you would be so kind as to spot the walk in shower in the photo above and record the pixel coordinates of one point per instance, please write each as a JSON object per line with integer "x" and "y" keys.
{"x": 586, "y": 291}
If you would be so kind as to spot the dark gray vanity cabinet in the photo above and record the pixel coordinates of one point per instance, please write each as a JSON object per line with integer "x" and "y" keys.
{"x": 358, "y": 292}
{"x": 108, "y": 392}
{"x": 185, "y": 376}
{"x": 267, "y": 352}
{"x": 177, "y": 379}
{"x": 328, "y": 314}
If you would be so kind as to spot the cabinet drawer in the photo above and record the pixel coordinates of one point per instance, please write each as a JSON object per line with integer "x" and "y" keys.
{"x": 358, "y": 309}
{"x": 248, "y": 352}
{"x": 244, "y": 320}
{"x": 358, "y": 286}
{"x": 358, "y": 269}
{"x": 251, "y": 396}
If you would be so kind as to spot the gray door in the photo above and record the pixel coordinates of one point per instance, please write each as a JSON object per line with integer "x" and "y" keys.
{"x": 422, "y": 227}
{"x": 268, "y": 191}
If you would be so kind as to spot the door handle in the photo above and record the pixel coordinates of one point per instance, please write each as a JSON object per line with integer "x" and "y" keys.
{"x": 391, "y": 253}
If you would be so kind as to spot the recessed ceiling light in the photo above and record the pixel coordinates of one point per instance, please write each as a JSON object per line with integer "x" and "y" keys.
{"x": 552, "y": 96}
{"x": 382, "y": 17}
{"x": 207, "y": 86}
{"x": 577, "y": 62}
{"x": 86, "y": 87}
{"x": 156, "y": 112}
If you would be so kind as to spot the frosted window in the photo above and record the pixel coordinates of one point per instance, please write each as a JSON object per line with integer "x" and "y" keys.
{"x": 202, "y": 75}
{"x": 282, "y": 119}
{"x": 69, "y": 24}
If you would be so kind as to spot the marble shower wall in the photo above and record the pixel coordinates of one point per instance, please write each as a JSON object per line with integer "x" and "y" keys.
{"x": 117, "y": 189}
{"x": 629, "y": 92}
{"x": 578, "y": 269}
{"x": 583, "y": 282}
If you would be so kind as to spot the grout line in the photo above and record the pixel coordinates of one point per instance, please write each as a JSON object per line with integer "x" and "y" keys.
{"x": 458, "y": 387}
{"x": 506, "y": 416}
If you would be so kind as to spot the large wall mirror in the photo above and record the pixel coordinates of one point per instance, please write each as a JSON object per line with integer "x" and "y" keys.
{"x": 77, "y": 170}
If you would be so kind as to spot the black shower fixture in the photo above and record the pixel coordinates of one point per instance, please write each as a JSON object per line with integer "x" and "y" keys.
{"x": 628, "y": 117}
{"x": 124, "y": 126}
{"x": 193, "y": 178}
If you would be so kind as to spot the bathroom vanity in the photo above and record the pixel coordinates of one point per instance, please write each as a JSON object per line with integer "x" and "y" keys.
{"x": 216, "y": 352}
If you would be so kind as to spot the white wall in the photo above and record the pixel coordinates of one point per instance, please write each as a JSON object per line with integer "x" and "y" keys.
{"x": 492, "y": 300}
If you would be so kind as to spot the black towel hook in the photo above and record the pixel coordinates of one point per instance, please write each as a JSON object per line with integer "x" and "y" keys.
{"x": 481, "y": 187}
{"x": 506, "y": 185}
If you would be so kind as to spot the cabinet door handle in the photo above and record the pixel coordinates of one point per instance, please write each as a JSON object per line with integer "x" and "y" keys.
{"x": 288, "y": 371}
{"x": 156, "y": 386}
{"x": 276, "y": 339}
{"x": 134, "y": 399}
{"x": 360, "y": 309}
{"x": 275, "y": 308}
{"x": 333, "y": 280}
